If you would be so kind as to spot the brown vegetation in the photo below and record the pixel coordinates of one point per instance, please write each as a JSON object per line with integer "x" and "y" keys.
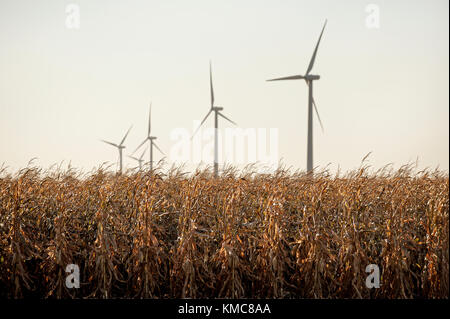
{"x": 283, "y": 235}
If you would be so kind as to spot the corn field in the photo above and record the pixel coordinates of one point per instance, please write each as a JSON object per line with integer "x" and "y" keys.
{"x": 242, "y": 235}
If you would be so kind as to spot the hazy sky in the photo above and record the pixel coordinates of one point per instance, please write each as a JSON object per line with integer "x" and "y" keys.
{"x": 382, "y": 89}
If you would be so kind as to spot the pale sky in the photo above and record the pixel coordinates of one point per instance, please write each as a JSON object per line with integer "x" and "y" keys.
{"x": 382, "y": 90}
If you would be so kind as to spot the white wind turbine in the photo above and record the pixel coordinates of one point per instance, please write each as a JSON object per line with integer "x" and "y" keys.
{"x": 120, "y": 147}
{"x": 150, "y": 139}
{"x": 217, "y": 113}
{"x": 309, "y": 78}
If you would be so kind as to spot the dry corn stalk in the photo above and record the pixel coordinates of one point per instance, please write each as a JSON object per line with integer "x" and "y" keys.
{"x": 281, "y": 235}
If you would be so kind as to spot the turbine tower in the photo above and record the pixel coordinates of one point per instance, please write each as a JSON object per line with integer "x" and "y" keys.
{"x": 217, "y": 113}
{"x": 120, "y": 147}
{"x": 150, "y": 139}
{"x": 309, "y": 78}
{"x": 139, "y": 159}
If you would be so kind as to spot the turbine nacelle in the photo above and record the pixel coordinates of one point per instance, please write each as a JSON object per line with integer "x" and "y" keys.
{"x": 152, "y": 138}
{"x": 311, "y": 77}
{"x": 217, "y": 108}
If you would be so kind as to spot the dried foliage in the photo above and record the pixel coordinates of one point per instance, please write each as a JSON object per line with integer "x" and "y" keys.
{"x": 247, "y": 235}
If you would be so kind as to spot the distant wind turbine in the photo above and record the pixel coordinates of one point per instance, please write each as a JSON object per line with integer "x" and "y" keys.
{"x": 309, "y": 78}
{"x": 150, "y": 139}
{"x": 139, "y": 160}
{"x": 120, "y": 147}
{"x": 217, "y": 113}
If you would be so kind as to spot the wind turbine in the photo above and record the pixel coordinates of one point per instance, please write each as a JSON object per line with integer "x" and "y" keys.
{"x": 309, "y": 78}
{"x": 120, "y": 147}
{"x": 217, "y": 113}
{"x": 150, "y": 139}
{"x": 139, "y": 160}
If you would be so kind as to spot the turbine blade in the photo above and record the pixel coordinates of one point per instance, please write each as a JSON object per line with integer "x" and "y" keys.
{"x": 137, "y": 159}
{"x": 311, "y": 63}
{"x": 143, "y": 153}
{"x": 154, "y": 144}
{"x": 113, "y": 144}
{"x": 294, "y": 77}
{"x": 123, "y": 140}
{"x": 317, "y": 113}
{"x": 226, "y": 118}
{"x": 315, "y": 108}
{"x": 149, "y": 118}
{"x": 203, "y": 121}
{"x": 211, "y": 85}
{"x": 140, "y": 145}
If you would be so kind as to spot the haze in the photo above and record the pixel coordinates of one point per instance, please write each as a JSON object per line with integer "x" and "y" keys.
{"x": 382, "y": 90}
